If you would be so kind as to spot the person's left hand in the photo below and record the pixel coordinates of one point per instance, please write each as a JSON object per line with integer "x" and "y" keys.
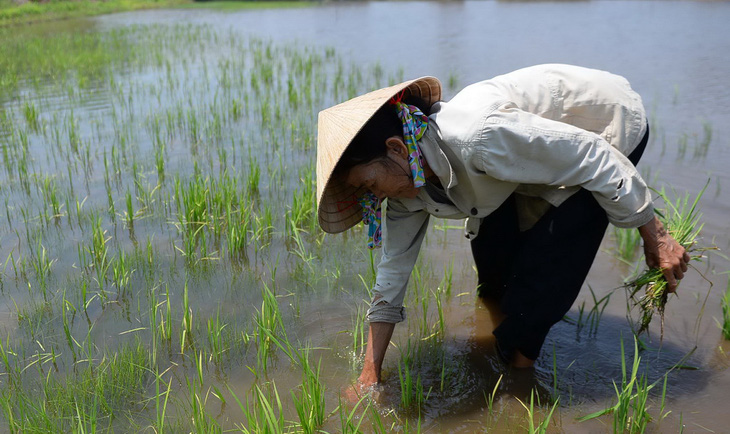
{"x": 663, "y": 251}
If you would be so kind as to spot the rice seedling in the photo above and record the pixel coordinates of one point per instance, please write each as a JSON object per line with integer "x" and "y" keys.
{"x": 447, "y": 281}
{"x": 703, "y": 145}
{"x": 91, "y": 396}
{"x": 310, "y": 404}
{"x": 726, "y": 312}
{"x": 630, "y": 413}
{"x": 440, "y": 324}
{"x": 627, "y": 243}
{"x": 493, "y": 394}
{"x": 648, "y": 291}
{"x": 301, "y": 213}
{"x": 593, "y": 317}
{"x": 186, "y": 329}
{"x": 348, "y": 422}
{"x": 164, "y": 328}
{"x": 216, "y": 342}
{"x": 50, "y": 197}
{"x": 413, "y": 394}
{"x": 42, "y": 266}
{"x": 238, "y": 224}
{"x": 304, "y": 269}
{"x": 201, "y": 421}
{"x": 263, "y": 228}
{"x": 358, "y": 335}
{"x": 121, "y": 271}
{"x": 539, "y": 426}
{"x": 72, "y": 343}
{"x": 101, "y": 261}
{"x": 269, "y": 325}
{"x": 161, "y": 405}
{"x": 263, "y": 413}
{"x": 129, "y": 213}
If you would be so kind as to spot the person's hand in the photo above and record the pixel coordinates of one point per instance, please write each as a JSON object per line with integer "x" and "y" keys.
{"x": 664, "y": 252}
{"x": 366, "y": 385}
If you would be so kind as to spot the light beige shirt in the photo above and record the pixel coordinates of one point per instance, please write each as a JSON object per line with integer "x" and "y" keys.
{"x": 543, "y": 132}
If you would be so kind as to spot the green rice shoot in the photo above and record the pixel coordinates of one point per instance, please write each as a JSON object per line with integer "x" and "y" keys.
{"x": 726, "y": 312}
{"x": 648, "y": 291}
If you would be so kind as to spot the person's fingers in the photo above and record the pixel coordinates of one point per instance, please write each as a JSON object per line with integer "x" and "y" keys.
{"x": 671, "y": 280}
{"x": 651, "y": 261}
{"x": 683, "y": 264}
{"x": 686, "y": 257}
{"x": 679, "y": 273}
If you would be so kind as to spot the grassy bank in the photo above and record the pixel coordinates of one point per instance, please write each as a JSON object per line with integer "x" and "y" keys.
{"x": 12, "y": 13}
{"x": 15, "y": 14}
{"x": 236, "y": 5}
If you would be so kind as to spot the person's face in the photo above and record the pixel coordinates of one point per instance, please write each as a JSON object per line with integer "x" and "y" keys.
{"x": 389, "y": 178}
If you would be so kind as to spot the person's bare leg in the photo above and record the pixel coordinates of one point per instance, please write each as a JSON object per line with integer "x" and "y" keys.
{"x": 519, "y": 360}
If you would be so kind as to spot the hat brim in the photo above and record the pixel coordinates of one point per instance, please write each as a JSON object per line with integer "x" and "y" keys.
{"x": 338, "y": 208}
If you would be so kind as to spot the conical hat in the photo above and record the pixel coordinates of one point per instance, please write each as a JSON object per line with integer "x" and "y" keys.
{"x": 337, "y": 206}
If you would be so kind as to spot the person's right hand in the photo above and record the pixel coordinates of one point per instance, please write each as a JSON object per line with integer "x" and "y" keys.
{"x": 366, "y": 385}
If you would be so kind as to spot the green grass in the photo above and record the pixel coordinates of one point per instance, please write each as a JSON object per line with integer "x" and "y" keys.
{"x": 228, "y": 5}
{"x": 29, "y": 12}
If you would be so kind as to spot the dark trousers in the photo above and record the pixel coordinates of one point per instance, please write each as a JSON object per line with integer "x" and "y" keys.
{"x": 536, "y": 275}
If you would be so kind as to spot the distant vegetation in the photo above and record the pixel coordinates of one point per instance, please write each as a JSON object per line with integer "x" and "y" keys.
{"x": 21, "y": 12}
{"x": 13, "y": 12}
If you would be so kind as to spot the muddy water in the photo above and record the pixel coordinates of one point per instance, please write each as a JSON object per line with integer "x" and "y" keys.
{"x": 674, "y": 54}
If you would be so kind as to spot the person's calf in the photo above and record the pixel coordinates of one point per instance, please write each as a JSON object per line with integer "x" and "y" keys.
{"x": 521, "y": 361}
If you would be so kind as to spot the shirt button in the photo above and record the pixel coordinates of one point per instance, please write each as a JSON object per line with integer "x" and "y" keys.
{"x": 474, "y": 211}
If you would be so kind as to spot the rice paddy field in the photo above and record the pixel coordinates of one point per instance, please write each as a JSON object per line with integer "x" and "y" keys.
{"x": 161, "y": 268}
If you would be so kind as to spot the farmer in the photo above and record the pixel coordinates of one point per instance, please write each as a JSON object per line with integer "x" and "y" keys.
{"x": 538, "y": 161}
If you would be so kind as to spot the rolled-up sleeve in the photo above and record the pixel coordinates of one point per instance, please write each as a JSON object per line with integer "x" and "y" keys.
{"x": 525, "y": 148}
{"x": 403, "y": 233}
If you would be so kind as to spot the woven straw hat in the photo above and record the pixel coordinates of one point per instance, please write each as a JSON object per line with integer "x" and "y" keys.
{"x": 337, "y": 208}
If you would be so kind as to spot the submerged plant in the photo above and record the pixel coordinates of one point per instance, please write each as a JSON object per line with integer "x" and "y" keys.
{"x": 649, "y": 290}
{"x": 541, "y": 426}
{"x": 726, "y": 312}
{"x": 630, "y": 413}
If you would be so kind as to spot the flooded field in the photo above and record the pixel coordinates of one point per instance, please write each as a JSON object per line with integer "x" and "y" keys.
{"x": 161, "y": 268}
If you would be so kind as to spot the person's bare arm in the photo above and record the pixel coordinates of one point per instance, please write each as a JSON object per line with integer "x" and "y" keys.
{"x": 663, "y": 251}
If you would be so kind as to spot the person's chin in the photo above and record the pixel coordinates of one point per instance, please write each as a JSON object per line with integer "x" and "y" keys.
{"x": 412, "y": 194}
{"x": 409, "y": 194}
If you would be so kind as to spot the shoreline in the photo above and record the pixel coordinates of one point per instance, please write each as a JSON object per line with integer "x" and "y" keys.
{"x": 31, "y": 12}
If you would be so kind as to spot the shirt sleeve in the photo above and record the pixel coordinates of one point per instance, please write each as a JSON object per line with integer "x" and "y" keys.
{"x": 528, "y": 149}
{"x": 403, "y": 233}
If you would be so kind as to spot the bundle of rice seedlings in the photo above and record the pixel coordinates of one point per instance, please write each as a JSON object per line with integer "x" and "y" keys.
{"x": 648, "y": 291}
